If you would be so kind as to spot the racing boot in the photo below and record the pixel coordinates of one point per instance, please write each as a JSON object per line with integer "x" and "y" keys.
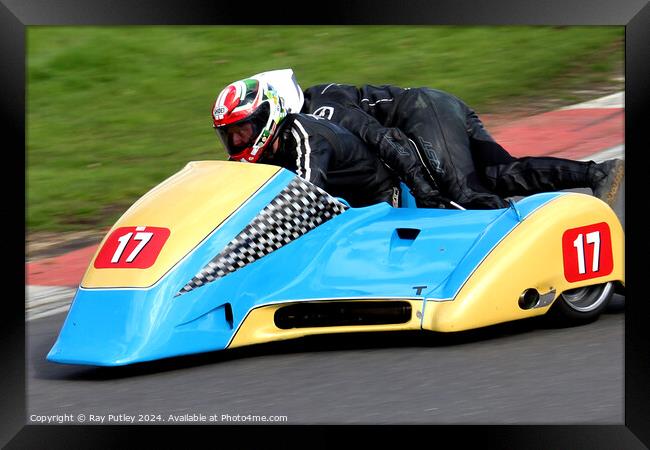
{"x": 606, "y": 179}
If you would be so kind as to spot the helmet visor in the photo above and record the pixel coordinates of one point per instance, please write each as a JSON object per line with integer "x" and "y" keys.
{"x": 241, "y": 135}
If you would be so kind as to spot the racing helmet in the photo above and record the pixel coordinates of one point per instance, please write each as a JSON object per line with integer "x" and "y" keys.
{"x": 246, "y": 116}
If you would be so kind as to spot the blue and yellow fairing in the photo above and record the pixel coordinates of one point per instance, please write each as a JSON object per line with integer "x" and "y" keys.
{"x": 207, "y": 290}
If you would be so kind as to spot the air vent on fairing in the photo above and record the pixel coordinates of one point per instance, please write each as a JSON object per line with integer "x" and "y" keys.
{"x": 342, "y": 313}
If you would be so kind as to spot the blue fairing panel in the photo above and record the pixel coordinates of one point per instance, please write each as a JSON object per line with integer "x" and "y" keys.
{"x": 373, "y": 252}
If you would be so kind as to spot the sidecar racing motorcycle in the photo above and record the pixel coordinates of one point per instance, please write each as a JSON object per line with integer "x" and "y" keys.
{"x": 224, "y": 254}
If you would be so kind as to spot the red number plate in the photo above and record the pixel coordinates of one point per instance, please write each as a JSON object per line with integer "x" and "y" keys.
{"x": 132, "y": 247}
{"x": 587, "y": 252}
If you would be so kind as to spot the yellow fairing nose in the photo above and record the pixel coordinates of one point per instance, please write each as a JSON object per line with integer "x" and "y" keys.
{"x": 191, "y": 204}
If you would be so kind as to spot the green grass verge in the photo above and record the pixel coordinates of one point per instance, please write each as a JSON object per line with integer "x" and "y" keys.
{"x": 112, "y": 111}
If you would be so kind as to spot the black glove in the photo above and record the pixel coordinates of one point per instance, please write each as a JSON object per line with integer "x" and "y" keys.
{"x": 437, "y": 201}
{"x": 425, "y": 195}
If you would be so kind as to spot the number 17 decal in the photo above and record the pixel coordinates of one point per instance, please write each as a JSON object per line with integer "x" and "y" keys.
{"x": 587, "y": 252}
{"x": 132, "y": 247}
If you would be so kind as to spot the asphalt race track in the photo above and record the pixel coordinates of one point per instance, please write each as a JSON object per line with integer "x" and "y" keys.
{"x": 517, "y": 373}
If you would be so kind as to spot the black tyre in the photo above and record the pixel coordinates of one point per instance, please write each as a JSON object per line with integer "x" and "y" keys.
{"x": 581, "y": 305}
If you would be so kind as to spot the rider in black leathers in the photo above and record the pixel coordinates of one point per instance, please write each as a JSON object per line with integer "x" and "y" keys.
{"x": 256, "y": 124}
{"x": 440, "y": 148}
{"x": 333, "y": 159}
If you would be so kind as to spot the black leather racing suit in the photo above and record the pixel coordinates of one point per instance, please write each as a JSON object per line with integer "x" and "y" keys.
{"x": 446, "y": 138}
{"x": 333, "y": 159}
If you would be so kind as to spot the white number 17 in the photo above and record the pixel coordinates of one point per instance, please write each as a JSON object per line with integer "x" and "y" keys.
{"x": 592, "y": 238}
{"x": 141, "y": 235}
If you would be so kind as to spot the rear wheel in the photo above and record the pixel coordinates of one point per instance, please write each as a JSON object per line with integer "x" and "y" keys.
{"x": 581, "y": 305}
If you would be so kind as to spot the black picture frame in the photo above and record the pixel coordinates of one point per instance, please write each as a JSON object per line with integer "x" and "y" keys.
{"x": 16, "y": 15}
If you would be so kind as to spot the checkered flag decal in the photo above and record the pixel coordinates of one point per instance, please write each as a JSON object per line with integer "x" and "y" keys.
{"x": 297, "y": 209}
